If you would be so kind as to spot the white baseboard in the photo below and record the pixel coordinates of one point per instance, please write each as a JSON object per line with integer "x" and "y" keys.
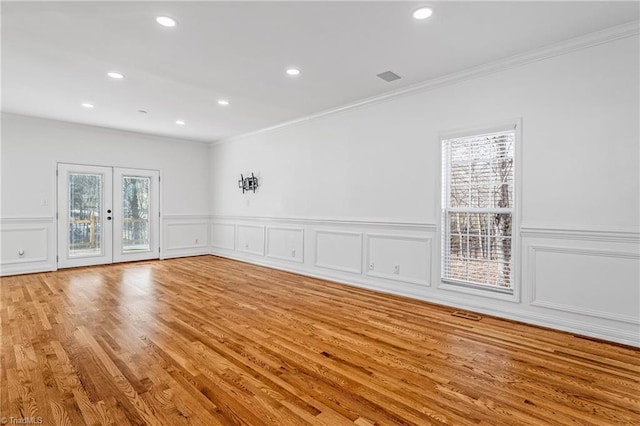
{"x": 26, "y": 268}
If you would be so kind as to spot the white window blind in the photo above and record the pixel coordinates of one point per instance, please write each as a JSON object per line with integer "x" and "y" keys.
{"x": 477, "y": 209}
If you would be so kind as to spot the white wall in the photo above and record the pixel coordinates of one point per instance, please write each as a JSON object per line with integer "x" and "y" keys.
{"x": 362, "y": 186}
{"x": 32, "y": 147}
{"x": 580, "y": 115}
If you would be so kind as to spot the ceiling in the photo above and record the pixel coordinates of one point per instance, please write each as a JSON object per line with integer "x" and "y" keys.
{"x": 55, "y": 56}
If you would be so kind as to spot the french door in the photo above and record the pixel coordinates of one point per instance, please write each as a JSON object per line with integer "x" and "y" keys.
{"x": 106, "y": 215}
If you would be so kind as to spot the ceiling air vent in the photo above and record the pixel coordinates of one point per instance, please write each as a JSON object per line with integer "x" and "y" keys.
{"x": 388, "y": 76}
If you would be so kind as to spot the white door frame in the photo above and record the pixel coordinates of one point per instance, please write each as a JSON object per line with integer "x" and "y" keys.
{"x": 112, "y": 234}
{"x": 105, "y": 254}
{"x": 119, "y": 254}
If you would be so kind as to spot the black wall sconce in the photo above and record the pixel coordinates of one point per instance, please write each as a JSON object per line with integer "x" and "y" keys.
{"x": 248, "y": 183}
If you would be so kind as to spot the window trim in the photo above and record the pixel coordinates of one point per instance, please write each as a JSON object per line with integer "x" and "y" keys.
{"x": 514, "y": 293}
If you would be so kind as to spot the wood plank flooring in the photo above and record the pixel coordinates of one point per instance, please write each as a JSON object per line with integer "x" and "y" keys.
{"x": 210, "y": 341}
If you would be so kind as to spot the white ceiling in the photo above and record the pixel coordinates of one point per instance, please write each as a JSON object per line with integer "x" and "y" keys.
{"x": 55, "y": 55}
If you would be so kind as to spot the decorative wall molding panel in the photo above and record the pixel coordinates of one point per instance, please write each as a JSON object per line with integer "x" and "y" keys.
{"x": 285, "y": 243}
{"x": 223, "y": 235}
{"x": 603, "y": 275}
{"x": 184, "y": 235}
{"x": 339, "y": 250}
{"x": 335, "y": 248}
{"x": 32, "y": 243}
{"x": 28, "y": 245}
{"x": 250, "y": 239}
{"x": 399, "y": 258}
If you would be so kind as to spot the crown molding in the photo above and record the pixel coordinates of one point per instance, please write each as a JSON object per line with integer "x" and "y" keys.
{"x": 618, "y": 32}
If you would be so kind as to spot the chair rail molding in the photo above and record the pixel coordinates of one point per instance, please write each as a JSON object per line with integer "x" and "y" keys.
{"x": 331, "y": 221}
{"x": 590, "y": 233}
{"x": 25, "y": 219}
{"x": 186, "y": 217}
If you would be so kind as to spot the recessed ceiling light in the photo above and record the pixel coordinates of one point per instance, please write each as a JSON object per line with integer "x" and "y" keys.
{"x": 293, "y": 71}
{"x": 115, "y": 75}
{"x": 422, "y": 13}
{"x": 165, "y": 21}
{"x": 223, "y": 102}
{"x": 87, "y": 105}
{"x": 180, "y": 122}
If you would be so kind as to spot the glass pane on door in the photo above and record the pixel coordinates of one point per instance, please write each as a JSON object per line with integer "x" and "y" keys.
{"x": 136, "y": 229}
{"x": 84, "y": 219}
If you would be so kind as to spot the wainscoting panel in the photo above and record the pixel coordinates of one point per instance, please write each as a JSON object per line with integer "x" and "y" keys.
{"x": 399, "y": 258}
{"x": 28, "y": 245}
{"x": 250, "y": 239}
{"x": 285, "y": 243}
{"x": 339, "y": 250}
{"x": 580, "y": 281}
{"x": 185, "y": 236}
{"x": 586, "y": 281}
{"x": 223, "y": 235}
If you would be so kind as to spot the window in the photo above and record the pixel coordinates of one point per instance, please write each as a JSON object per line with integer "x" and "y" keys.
{"x": 478, "y": 210}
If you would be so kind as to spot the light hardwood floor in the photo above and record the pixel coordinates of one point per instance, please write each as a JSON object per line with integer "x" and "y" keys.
{"x": 209, "y": 341}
